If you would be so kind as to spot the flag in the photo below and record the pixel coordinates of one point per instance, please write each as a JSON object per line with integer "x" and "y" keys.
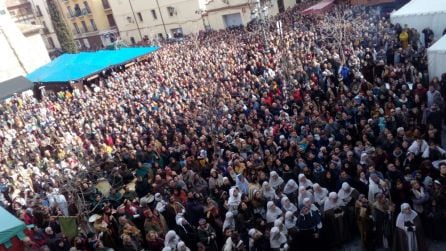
{"x": 68, "y": 225}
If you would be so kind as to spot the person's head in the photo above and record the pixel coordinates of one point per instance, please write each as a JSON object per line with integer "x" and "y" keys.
{"x": 405, "y": 208}
{"x": 443, "y": 168}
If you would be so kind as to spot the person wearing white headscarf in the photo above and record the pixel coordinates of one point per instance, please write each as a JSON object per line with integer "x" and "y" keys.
{"x": 409, "y": 234}
{"x": 290, "y": 220}
{"x": 347, "y": 194}
{"x": 332, "y": 202}
{"x": 374, "y": 187}
{"x": 256, "y": 239}
{"x": 334, "y": 222}
{"x": 171, "y": 240}
{"x": 275, "y": 180}
{"x": 182, "y": 246}
{"x": 290, "y": 187}
{"x": 303, "y": 181}
{"x": 272, "y": 212}
{"x": 235, "y": 197}
{"x": 319, "y": 194}
{"x": 303, "y": 193}
{"x": 229, "y": 221}
{"x": 287, "y": 205}
{"x": 277, "y": 239}
{"x": 279, "y": 223}
{"x": 268, "y": 192}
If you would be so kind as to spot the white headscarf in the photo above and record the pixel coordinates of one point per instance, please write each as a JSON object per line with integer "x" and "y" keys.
{"x": 332, "y": 202}
{"x": 290, "y": 187}
{"x": 303, "y": 181}
{"x": 268, "y": 192}
{"x": 290, "y": 220}
{"x": 182, "y": 246}
{"x": 229, "y": 221}
{"x": 276, "y": 238}
{"x": 287, "y": 205}
{"x": 275, "y": 180}
{"x": 303, "y": 193}
{"x": 279, "y": 223}
{"x": 403, "y": 217}
{"x": 308, "y": 203}
{"x": 319, "y": 196}
{"x": 345, "y": 193}
{"x": 272, "y": 212}
{"x": 234, "y": 201}
{"x": 171, "y": 239}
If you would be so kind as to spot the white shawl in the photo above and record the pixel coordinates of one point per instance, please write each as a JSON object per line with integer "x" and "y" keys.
{"x": 319, "y": 196}
{"x": 287, "y": 205}
{"x": 332, "y": 202}
{"x": 268, "y": 192}
{"x": 272, "y": 212}
{"x": 275, "y": 180}
{"x": 290, "y": 187}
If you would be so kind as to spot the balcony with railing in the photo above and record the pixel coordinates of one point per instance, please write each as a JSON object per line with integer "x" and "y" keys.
{"x": 79, "y": 13}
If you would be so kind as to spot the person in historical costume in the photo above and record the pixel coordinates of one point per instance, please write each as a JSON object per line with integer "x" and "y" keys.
{"x": 171, "y": 240}
{"x": 364, "y": 221}
{"x": 409, "y": 235}
{"x": 335, "y": 231}
{"x": 320, "y": 194}
{"x": 383, "y": 213}
{"x": 207, "y": 235}
{"x": 268, "y": 192}
{"x": 303, "y": 181}
{"x": 277, "y": 240}
{"x": 235, "y": 197}
{"x": 308, "y": 226}
{"x": 290, "y": 190}
{"x": 287, "y": 205}
{"x": 272, "y": 212}
{"x": 348, "y": 195}
{"x": 257, "y": 241}
{"x": 275, "y": 180}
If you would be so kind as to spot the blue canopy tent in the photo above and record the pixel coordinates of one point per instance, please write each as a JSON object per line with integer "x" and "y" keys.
{"x": 72, "y": 67}
{"x": 10, "y": 227}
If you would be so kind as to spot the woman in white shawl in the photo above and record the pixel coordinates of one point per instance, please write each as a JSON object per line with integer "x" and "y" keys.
{"x": 229, "y": 222}
{"x": 374, "y": 187}
{"x": 182, "y": 246}
{"x": 171, "y": 240}
{"x": 303, "y": 181}
{"x": 290, "y": 220}
{"x": 409, "y": 234}
{"x": 272, "y": 212}
{"x": 277, "y": 239}
{"x": 235, "y": 197}
{"x": 279, "y": 224}
{"x": 332, "y": 202}
{"x": 268, "y": 192}
{"x": 303, "y": 193}
{"x": 275, "y": 180}
{"x": 290, "y": 188}
{"x": 319, "y": 194}
{"x": 287, "y": 205}
{"x": 347, "y": 193}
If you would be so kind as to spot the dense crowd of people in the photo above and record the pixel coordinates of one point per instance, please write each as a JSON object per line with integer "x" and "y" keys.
{"x": 307, "y": 144}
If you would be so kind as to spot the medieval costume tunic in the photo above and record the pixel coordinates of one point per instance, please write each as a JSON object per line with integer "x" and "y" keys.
{"x": 384, "y": 218}
{"x": 364, "y": 220}
{"x": 334, "y": 221}
{"x": 307, "y": 224}
{"x": 409, "y": 234}
{"x": 348, "y": 196}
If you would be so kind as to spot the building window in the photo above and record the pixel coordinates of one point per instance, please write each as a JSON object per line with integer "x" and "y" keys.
{"x": 38, "y": 11}
{"x": 78, "y": 31}
{"x": 154, "y": 14}
{"x": 87, "y": 7}
{"x": 77, "y": 10}
{"x": 93, "y": 25}
{"x": 70, "y": 11}
{"x": 111, "y": 20}
{"x": 140, "y": 16}
{"x": 84, "y": 26}
{"x": 132, "y": 40}
{"x": 51, "y": 42}
{"x": 45, "y": 27}
{"x": 171, "y": 11}
{"x": 105, "y": 4}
